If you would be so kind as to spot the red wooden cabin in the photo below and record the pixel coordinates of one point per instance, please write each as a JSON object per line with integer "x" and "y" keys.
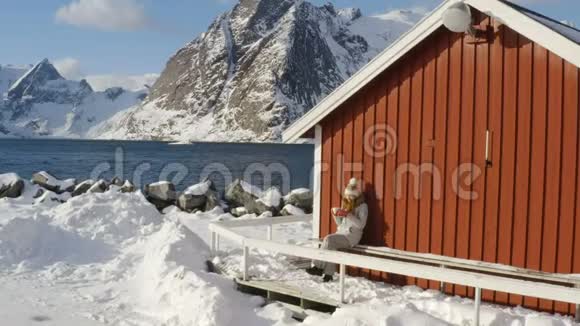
{"x": 468, "y": 144}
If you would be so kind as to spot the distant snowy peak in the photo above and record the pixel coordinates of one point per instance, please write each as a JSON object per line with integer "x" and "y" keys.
{"x": 9, "y": 74}
{"x": 39, "y": 75}
{"x": 43, "y": 103}
{"x": 257, "y": 69}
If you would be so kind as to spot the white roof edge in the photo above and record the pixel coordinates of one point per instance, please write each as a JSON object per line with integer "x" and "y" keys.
{"x": 518, "y": 21}
{"x": 530, "y": 28}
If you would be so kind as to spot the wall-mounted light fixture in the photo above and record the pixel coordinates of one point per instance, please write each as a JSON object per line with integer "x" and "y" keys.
{"x": 458, "y": 19}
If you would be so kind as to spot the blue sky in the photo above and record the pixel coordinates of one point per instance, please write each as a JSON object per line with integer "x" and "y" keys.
{"x": 142, "y": 40}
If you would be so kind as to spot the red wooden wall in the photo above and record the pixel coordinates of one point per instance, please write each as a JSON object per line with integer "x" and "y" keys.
{"x": 440, "y": 100}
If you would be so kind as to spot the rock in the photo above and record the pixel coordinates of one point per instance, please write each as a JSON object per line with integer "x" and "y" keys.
{"x": 49, "y": 196}
{"x": 239, "y": 211}
{"x": 161, "y": 194}
{"x": 270, "y": 201}
{"x": 301, "y": 198}
{"x": 189, "y": 203}
{"x": 83, "y": 187}
{"x": 39, "y": 192}
{"x": 240, "y": 193}
{"x": 201, "y": 196}
{"x": 11, "y": 186}
{"x": 117, "y": 182}
{"x": 212, "y": 201}
{"x": 49, "y": 182}
{"x": 128, "y": 186}
{"x": 289, "y": 210}
{"x": 99, "y": 187}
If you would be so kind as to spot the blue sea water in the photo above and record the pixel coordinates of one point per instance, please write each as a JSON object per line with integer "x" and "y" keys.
{"x": 143, "y": 162}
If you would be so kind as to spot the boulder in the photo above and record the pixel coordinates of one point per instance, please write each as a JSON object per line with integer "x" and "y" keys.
{"x": 289, "y": 210}
{"x": 301, "y": 198}
{"x": 39, "y": 192}
{"x": 98, "y": 187}
{"x": 241, "y": 193}
{"x": 49, "y": 196}
{"x": 161, "y": 194}
{"x": 201, "y": 196}
{"x": 11, "y": 186}
{"x": 128, "y": 186}
{"x": 212, "y": 201}
{"x": 49, "y": 182}
{"x": 190, "y": 203}
{"x": 83, "y": 187}
{"x": 269, "y": 201}
{"x": 239, "y": 211}
{"x": 117, "y": 182}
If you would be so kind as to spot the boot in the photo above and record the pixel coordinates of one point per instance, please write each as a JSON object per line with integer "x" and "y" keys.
{"x": 327, "y": 278}
{"x": 314, "y": 271}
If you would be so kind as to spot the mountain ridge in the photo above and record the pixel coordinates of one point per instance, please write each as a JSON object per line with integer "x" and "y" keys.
{"x": 258, "y": 68}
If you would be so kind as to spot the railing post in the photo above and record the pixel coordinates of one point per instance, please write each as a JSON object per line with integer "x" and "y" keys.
{"x": 245, "y": 262}
{"x": 442, "y": 284}
{"x": 217, "y": 242}
{"x": 477, "y": 306}
{"x": 341, "y": 281}
{"x": 577, "y": 319}
{"x": 269, "y": 233}
{"x": 213, "y": 243}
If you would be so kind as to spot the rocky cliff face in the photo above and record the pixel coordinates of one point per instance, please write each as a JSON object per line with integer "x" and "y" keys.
{"x": 257, "y": 69}
{"x": 40, "y": 102}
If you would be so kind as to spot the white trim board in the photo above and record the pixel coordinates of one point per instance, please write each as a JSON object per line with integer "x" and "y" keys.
{"x": 317, "y": 181}
{"x": 516, "y": 20}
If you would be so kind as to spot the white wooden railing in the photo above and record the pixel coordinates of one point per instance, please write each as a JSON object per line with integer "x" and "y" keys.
{"x": 479, "y": 275}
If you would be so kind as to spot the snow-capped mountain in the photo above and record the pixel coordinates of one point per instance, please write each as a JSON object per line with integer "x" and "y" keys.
{"x": 40, "y": 102}
{"x": 9, "y": 74}
{"x": 257, "y": 69}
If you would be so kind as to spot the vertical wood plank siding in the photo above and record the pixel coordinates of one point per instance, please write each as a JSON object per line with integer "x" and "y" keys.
{"x": 522, "y": 208}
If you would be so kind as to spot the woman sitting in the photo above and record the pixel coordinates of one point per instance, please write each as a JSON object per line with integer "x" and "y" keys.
{"x": 350, "y": 219}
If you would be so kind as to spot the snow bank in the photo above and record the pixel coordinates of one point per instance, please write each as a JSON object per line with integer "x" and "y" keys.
{"x": 173, "y": 279}
{"x": 376, "y": 313}
{"x": 111, "y": 216}
{"x": 34, "y": 242}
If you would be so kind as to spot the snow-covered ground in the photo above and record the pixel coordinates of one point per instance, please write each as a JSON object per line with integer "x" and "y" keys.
{"x": 112, "y": 259}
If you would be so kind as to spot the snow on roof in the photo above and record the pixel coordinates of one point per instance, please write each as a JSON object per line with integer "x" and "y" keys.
{"x": 558, "y": 38}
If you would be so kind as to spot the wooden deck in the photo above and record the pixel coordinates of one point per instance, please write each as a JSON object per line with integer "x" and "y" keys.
{"x": 303, "y": 297}
{"x": 298, "y": 299}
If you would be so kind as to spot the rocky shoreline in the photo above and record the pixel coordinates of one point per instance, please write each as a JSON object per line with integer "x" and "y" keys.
{"x": 239, "y": 198}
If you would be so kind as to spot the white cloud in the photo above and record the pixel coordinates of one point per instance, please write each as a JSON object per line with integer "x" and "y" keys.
{"x": 108, "y": 15}
{"x": 131, "y": 82}
{"x": 69, "y": 68}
